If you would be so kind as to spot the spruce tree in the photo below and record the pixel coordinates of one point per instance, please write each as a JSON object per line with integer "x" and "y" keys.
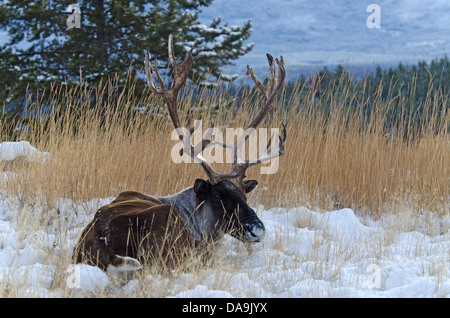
{"x": 112, "y": 38}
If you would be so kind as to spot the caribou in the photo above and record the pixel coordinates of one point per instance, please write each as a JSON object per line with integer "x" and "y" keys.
{"x": 138, "y": 229}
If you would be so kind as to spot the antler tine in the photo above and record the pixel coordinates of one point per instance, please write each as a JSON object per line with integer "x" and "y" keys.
{"x": 272, "y": 78}
{"x": 271, "y": 91}
{"x": 172, "y": 58}
{"x": 255, "y": 79}
{"x": 180, "y": 70}
{"x": 149, "y": 71}
{"x": 274, "y": 153}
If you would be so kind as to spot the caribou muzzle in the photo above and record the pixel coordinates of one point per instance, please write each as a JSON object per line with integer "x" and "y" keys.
{"x": 254, "y": 229}
{"x": 254, "y": 232}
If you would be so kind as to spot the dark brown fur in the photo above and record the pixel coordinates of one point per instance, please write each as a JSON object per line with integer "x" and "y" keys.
{"x": 137, "y": 226}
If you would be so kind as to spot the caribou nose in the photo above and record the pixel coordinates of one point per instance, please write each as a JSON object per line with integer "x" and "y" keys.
{"x": 254, "y": 232}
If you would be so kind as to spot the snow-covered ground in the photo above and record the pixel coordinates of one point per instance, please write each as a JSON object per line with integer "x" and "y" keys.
{"x": 13, "y": 150}
{"x": 305, "y": 254}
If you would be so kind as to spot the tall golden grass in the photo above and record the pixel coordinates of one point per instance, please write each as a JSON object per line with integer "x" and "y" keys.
{"x": 334, "y": 158}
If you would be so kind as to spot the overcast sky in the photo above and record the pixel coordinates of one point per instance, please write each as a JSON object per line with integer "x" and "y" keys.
{"x": 316, "y": 33}
{"x": 313, "y": 33}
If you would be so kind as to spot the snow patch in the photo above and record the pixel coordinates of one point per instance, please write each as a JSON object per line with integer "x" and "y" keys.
{"x": 12, "y": 150}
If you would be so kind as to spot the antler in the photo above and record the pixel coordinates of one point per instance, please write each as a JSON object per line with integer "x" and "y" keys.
{"x": 270, "y": 91}
{"x": 180, "y": 72}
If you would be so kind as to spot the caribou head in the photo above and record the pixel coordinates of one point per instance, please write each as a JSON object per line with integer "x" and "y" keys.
{"x": 138, "y": 228}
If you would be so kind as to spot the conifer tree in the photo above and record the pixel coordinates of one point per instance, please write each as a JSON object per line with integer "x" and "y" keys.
{"x": 112, "y": 37}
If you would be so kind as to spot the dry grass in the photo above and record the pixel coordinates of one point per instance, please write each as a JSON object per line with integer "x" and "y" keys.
{"x": 333, "y": 159}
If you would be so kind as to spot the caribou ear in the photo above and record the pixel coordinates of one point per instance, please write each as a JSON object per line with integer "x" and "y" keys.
{"x": 201, "y": 188}
{"x": 250, "y": 185}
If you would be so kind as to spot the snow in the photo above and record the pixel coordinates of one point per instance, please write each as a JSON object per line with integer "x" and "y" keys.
{"x": 201, "y": 291}
{"x": 305, "y": 253}
{"x": 12, "y": 150}
{"x": 226, "y": 77}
